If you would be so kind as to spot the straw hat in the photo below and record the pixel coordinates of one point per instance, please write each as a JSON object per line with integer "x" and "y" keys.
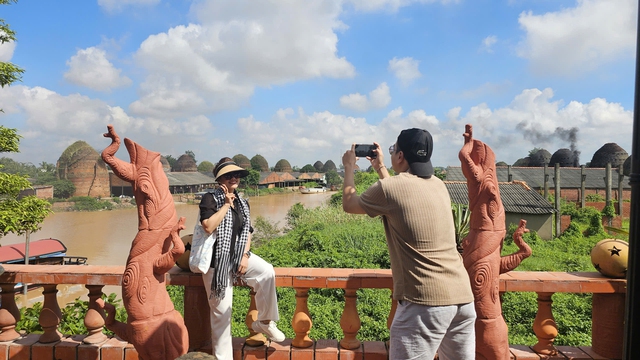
{"x": 228, "y": 167}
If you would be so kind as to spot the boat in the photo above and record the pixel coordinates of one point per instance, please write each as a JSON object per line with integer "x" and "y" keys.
{"x": 313, "y": 190}
{"x": 41, "y": 252}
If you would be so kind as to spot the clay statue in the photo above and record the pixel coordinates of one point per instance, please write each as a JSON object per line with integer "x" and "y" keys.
{"x": 154, "y": 327}
{"x": 483, "y": 244}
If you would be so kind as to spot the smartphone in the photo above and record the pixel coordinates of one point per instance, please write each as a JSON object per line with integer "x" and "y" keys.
{"x": 364, "y": 150}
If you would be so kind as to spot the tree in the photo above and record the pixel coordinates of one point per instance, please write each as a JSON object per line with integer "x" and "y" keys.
{"x": 308, "y": 168}
{"x": 205, "y": 167}
{"x": 171, "y": 160}
{"x": 251, "y": 180}
{"x": 18, "y": 214}
{"x": 63, "y": 189}
{"x": 333, "y": 178}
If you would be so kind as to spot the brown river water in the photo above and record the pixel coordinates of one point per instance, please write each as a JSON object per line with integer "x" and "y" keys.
{"x": 104, "y": 237}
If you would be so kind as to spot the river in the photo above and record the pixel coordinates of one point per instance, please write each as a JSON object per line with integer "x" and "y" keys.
{"x": 104, "y": 237}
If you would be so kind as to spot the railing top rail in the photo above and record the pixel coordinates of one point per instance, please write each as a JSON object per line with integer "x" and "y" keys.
{"x": 535, "y": 281}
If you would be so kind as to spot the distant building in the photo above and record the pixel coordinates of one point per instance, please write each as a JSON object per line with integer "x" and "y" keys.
{"x": 519, "y": 202}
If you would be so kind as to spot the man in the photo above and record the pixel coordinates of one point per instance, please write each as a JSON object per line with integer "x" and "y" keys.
{"x": 435, "y": 304}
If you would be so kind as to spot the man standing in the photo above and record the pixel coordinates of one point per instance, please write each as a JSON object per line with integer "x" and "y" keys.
{"x": 435, "y": 304}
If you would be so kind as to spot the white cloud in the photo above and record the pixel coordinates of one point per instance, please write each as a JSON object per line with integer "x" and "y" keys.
{"x": 405, "y": 69}
{"x": 529, "y": 121}
{"x": 576, "y": 40}
{"x": 59, "y": 120}
{"x": 90, "y": 68}
{"x": 392, "y": 5}
{"x": 6, "y": 51}
{"x": 112, "y": 6}
{"x": 236, "y": 47}
{"x": 488, "y": 42}
{"x": 378, "y": 99}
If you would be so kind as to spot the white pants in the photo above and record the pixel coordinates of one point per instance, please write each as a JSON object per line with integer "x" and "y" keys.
{"x": 262, "y": 278}
{"x": 419, "y": 331}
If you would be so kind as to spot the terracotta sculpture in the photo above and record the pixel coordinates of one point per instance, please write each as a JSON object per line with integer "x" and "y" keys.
{"x": 154, "y": 327}
{"x": 482, "y": 247}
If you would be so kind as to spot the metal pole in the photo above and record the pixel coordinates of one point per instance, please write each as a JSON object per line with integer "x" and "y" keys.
{"x": 631, "y": 347}
{"x": 26, "y": 262}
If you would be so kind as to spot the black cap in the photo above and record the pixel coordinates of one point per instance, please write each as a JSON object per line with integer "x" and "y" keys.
{"x": 417, "y": 146}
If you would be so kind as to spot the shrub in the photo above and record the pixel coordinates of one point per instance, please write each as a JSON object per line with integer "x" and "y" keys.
{"x": 594, "y": 198}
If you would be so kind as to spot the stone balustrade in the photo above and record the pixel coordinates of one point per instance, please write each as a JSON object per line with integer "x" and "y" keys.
{"x": 607, "y": 318}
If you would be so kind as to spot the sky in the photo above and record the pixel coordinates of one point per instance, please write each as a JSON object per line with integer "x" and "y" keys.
{"x": 303, "y": 80}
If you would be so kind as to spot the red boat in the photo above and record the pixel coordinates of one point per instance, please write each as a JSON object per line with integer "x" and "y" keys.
{"x": 41, "y": 252}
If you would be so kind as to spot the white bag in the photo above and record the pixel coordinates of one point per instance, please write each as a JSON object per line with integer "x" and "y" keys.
{"x": 201, "y": 249}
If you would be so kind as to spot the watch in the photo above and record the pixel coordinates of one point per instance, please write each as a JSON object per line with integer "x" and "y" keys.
{"x": 248, "y": 253}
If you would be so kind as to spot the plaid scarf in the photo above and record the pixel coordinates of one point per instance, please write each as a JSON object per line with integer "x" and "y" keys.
{"x": 225, "y": 266}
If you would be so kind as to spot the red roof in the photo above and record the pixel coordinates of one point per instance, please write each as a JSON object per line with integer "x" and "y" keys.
{"x": 38, "y": 248}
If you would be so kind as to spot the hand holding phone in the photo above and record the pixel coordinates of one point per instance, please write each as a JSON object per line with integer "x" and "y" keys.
{"x": 364, "y": 150}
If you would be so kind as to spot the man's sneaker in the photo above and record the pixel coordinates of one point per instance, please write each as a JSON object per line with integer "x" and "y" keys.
{"x": 271, "y": 330}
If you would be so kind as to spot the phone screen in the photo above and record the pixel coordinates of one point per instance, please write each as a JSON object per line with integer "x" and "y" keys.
{"x": 364, "y": 150}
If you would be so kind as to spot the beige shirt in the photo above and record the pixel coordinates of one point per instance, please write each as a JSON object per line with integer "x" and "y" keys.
{"x": 426, "y": 266}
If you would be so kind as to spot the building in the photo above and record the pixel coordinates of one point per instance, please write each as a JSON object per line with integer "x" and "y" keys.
{"x": 519, "y": 202}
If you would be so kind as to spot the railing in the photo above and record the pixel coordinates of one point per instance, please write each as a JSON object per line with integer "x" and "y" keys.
{"x": 607, "y": 315}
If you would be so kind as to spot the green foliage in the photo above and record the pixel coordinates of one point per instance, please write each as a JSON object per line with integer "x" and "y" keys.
{"x": 461, "y": 221}
{"x": 308, "y": 169}
{"x": 205, "y": 167}
{"x": 251, "y": 180}
{"x": 63, "y": 189}
{"x": 594, "y": 198}
{"x": 595, "y": 225}
{"x": 171, "y": 160}
{"x": 333, "y": 178}
{"x": 73, "y": 315}
{"x": 263, "y": 231}
{"x": 440, "y": 173}
{"x": 18, "y": 215}
{"x": 609, "y": 211}
{"x": 9, "y": 139}
{"x": 87, "y": 203}
{"x": 310, "y": 184}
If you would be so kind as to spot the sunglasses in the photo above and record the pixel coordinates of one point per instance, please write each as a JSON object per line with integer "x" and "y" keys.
{"x": 233, "y": 175}
{"x": 392, "y": 149}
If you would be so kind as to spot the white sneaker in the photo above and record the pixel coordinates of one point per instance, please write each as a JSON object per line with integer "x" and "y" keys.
{"x": 271, "y": 330}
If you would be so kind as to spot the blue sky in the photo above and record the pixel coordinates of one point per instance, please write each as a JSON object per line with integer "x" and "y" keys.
{"x": 302, "y": 80}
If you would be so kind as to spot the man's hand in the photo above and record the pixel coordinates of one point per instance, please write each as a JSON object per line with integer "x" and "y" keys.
{"x": 349, "y": 158}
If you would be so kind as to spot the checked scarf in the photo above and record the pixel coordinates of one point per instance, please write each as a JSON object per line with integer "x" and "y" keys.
{"x": 224, "y": 265}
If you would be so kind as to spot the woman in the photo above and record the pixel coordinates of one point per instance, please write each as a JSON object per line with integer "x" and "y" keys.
{"x": 226, "y": 213}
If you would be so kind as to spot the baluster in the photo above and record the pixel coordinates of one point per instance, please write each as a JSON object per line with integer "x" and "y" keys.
{"x": 544, "y": 326}
{"x": 50, "y": 315}
{"x": 94, "y": 320}
{"x": 301, "y": 321}
{"x": 350, "y": 320}
{"x": 254, "y": 338}
{"x": 9, "y": 313}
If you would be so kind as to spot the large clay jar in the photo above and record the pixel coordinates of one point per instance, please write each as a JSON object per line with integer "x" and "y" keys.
{"x": 610, "y": 257}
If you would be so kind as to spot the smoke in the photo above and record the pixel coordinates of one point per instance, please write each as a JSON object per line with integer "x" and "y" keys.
{"x": 537, "y": 136}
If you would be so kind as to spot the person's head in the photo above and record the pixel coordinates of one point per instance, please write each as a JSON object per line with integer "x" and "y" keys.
{"x": 228, "y": 173}
{"x": 412, "y": 151}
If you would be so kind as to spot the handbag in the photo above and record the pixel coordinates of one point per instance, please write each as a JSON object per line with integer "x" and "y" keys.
{"x": 201, "y": 249}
